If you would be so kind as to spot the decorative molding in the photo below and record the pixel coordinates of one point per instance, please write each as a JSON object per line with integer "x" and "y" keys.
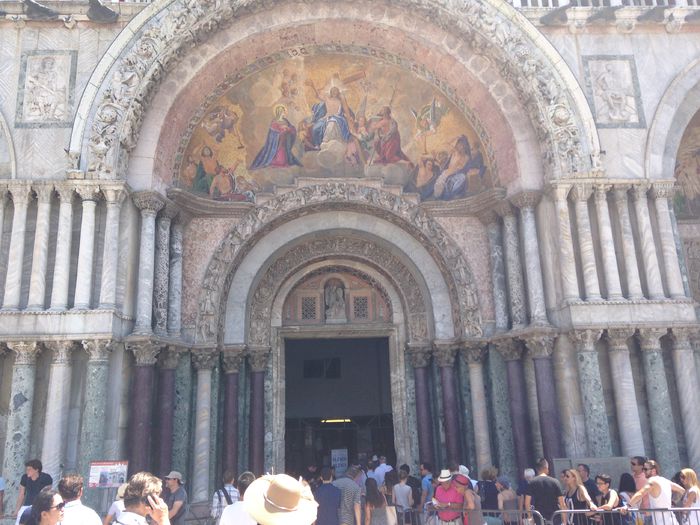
{"x": 663, "y": 190}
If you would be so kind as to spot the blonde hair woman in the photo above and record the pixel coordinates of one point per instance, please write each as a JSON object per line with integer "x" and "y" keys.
{"x": 576, "y": 497}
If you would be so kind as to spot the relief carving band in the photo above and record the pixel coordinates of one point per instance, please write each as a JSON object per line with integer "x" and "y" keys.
{"x": 614, "y": 91}
{"x": 45, "y": 94}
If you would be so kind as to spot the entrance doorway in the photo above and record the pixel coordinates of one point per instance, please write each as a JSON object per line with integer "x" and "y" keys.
{"x": 338, "y": 398}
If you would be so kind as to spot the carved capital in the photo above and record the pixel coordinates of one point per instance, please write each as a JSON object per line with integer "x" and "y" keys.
{"x": 169, "y": 358}
{"x": 639, "y": 191}
{"x": 581, "y": 192}
{"x": 169, "y": 211}
{"x": 61, "y": 351}
{"x": 663, "y": 190}
{"x": 21, "y": 195}
{"x": 88, "y": 193}
{"x": 504, "y": 208}
{"x": 585, "y": 339}
{"x": 526, "y": 199}
{"x": 560, "y": 192}
{"x": 649, "y": 338}
{"x": 65, "y": 192}
{"x": 25, "y": 352}
{"x": 98, "y": 349}
{"x": 681, "y": 339}
{"x": 258, "y": 357}
{"x": 145, "y": 352}
{"x": 601, "y": 192}
{"x": 232, "y": 357}
{"x": 445, "y": 353}
{"x": 510, "y": 349}
{"x": 620, "y": 192}
{"x": 114, "y": 196}
{"x": 43, "y": 192}
{"x": 148, "y": 201}
{"x": 617, "y": 338}
{"x": 418, "y": 354}
{"x": 204, "y": 358}
{"x": 474, "y": 352}
{"x": 540, "y": 346}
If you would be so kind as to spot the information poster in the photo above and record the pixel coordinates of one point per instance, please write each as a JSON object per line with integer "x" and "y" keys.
{"x": 339, "y": 460}
{"x": 107, "y": 474}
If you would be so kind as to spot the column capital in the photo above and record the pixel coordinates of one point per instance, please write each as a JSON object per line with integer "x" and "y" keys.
{"x": 526, "y": 199}
{"x": 445, "y": 353}
{"x": 540, "y": 346}
{"x": 204, "y": 358}
{"x": 663, "y": 190}
{"x": 232, "y": 357}
{"x": 148, "y": 201}
{"x": 649, "y": 338}
{"x": 88, "y": 193}
{"x": 21, "y": 194}
{"x": 504, "y": 208}
{"x": 65, "y": 191}
{"x": 585, "y": 339}
{"x": 681, "y": 338}
{"x": 169, "y": 357}
{"x": 581, "y": 191}
{"x": 511, "y": 349}
{"x": 25, "y": 352}
{"x": 43, "y": 192}
{"x": 114, "y": 195}
{"x": 488, "y": 217}
{"x": 600, "y": 192}
{"x": 145, "y": 352}
{"x": 61, "y": 351}
{"x": 560, "y": 190}
{"x": 473, "y": 352}
{"x": 98, "y": 350}
{"x": 258, "y": 356}
{"x": 617, "y": 338}
{"x": 639, "y": 191}
{"x": 169, "y": 210}
{"x": 419, "y": 354}
{"x": 620, "y": 191}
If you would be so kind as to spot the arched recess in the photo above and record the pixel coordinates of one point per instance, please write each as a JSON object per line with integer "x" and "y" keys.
{"x": 113, "y": 106}
{"x": 677, "y": 107}
{"x": 8, "y": 163}
{"x": 406, "y": 228}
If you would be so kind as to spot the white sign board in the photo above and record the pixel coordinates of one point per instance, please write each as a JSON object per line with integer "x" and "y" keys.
{"x": 107, "y": 474}
{"x": 339, "y": 460}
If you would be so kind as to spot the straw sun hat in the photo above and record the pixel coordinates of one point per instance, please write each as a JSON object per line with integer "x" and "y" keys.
{"x": 280, "y": 500}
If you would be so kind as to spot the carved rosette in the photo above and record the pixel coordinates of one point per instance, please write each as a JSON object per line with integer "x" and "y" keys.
{"x": 617, "y": 339}
{"x": 149, "y": 202}
{"x": 204, "y": 358}
{"x": 145, "y": 352}
{"x": 445, "y": 353}
{"x": 258, "y": 357}
{"x": 540, "y": 346}
{"x": 473, "y": 352}
{"x": 649, "y": 338}
{"x": 418, "y": 354}
{"x": 61, "y": 351}
{"x": 25, "y": 352}
{"x": 232, "y": 357}
{"x": 98, "y": 350}
{"x": 510, "y": 349}
{"x": 526, "y": 199}
{"x": 169, "y": 358}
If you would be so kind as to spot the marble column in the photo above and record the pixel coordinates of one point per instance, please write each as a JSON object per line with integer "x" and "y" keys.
{"x": 498, "y": 273}
{"x": 141, "y": 404}
{"x": 626, "y": 408}
{"x": 57, "y": 406}
{"x": 512, "y": 352}
{"x": 597, "y": 431}
{"x": 527, "y": 201}
{"x": 661, "y": 193}
{"x": 15, "y": 259}
{"x": 3, "y": 204}
{"x": 162, "y": 268}
{"x": 168, "y": 361}
{"x": 647, "y": 244}
{"x": 258, "y": 357}
{"x": 567, "y": 262}
{"x": 688, "y": 394}
{"x": 40, "y": 256}
{"x": 514, "y": 271}
{"x": 203, "y": 361}
{"x": 175, "y": 281}
{"x": 419, "y": 357}
{"x": 607, "y": 244}
{"x": 540, "y": 348}
{"x": 695, "y": 342}
{"x": 150, "y": 204}
{"x": 445, "y": 353}
{"x": 629, "y": 254}
{"x": 110, "y": 251}
{"x": 663, "y": 429}
{"x": 473, "y": 355}
{"x": 19, "y": 415}
{"x": 232, "y": 361}
{"x": 61, "y": 269}
{"x": 86, "y": 251}
{"x": 580, "y": 193}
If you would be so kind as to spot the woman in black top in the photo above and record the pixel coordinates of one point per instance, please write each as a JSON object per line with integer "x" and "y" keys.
{"x": 607, "y": 501}
{"x": 576, "y": 497}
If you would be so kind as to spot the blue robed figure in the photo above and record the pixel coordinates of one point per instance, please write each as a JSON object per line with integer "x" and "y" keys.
{"x": 277, "y": 150}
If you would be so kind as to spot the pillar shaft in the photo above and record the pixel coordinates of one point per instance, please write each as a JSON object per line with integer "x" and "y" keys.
{"x": 688, "y": 395}
{"x": 61, "y": 269}
{"x": 167, "y": 361}
{"x": 445, "y": 354}
{"x": 626, "y": 408}
{"x": 86, "y": 253}
{"x": 634, "y": 286}
{"x": 567, "y": 262}
{"x": 647, "y": 244}
{"x": 498, "y": 273}
{"x": 57, "y": 405}
{"x": 37, "y": 282}
{"x": 141, "y": 401}
{"x": 419, "y": 356}
{"x": 672, "y": 268}
{"x": 15, "y": 259}
{"x": 203, "y": 361}
{"x": 663, "y": 429}
{"x": 607, "y": 244}
{"x": 514, "y": 271}
{"x": 232, "y": 361}
{"x": 162, "y": 269}
{"x": 581, "y": 193}
{"x": 175, "y": 281}
{"x": 110, "y": 251}
{"x": 474, "y": 357}
{"x": 258, "y": 362}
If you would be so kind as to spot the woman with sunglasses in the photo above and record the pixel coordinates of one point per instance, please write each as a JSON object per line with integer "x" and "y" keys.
{"x": 576, "y": 497}
{"x": 47, "y": 508}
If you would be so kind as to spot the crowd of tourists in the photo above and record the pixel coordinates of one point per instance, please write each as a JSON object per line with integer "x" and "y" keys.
{"x": 379, "y": 494}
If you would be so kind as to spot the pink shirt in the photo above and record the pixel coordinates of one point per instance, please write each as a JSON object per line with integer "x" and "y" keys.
{"x": 449, "y": 495}
{"x": 640, "y": 481}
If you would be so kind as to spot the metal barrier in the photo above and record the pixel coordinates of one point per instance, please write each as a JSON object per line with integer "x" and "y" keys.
{"x": 628, "y": 516}
{"x": 430, "y": 516}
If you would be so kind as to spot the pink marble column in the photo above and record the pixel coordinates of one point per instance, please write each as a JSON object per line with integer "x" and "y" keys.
{"x": 445, "y": 353}
{"x": 232, "y": 360}
{"x": 419, "y": 357}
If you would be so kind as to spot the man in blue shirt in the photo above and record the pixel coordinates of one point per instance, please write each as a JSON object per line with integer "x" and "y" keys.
{"x": 328, "y": 499}
{"x": 426, "y": 471}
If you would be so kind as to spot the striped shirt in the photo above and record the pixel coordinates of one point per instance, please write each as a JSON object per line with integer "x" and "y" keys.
{"x": 349, "y": 497}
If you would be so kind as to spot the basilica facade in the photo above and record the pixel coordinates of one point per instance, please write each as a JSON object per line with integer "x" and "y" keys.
{"x": 452, "y": 229}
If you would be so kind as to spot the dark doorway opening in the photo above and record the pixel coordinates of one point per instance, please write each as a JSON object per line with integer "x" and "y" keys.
{"x": 338, "y": 398}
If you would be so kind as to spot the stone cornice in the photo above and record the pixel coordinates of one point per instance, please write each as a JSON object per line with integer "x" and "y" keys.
{"x": 197, "y": 206}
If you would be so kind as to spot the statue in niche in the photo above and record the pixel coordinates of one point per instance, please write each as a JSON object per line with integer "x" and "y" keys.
{"x": 334, "y": 295}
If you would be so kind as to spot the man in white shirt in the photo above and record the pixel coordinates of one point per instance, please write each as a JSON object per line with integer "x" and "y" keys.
{"x": 75, "y": 513}
{"x": 235, "y": 514}
{"x": 381, "y": 470}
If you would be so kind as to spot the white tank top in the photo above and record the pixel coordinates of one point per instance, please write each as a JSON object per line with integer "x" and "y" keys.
{"x": 663, "y": 501}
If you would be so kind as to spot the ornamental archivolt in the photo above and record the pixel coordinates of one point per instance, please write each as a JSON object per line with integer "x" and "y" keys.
{"x": 336, "y": 196}
{"x": 116, "y": 112}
